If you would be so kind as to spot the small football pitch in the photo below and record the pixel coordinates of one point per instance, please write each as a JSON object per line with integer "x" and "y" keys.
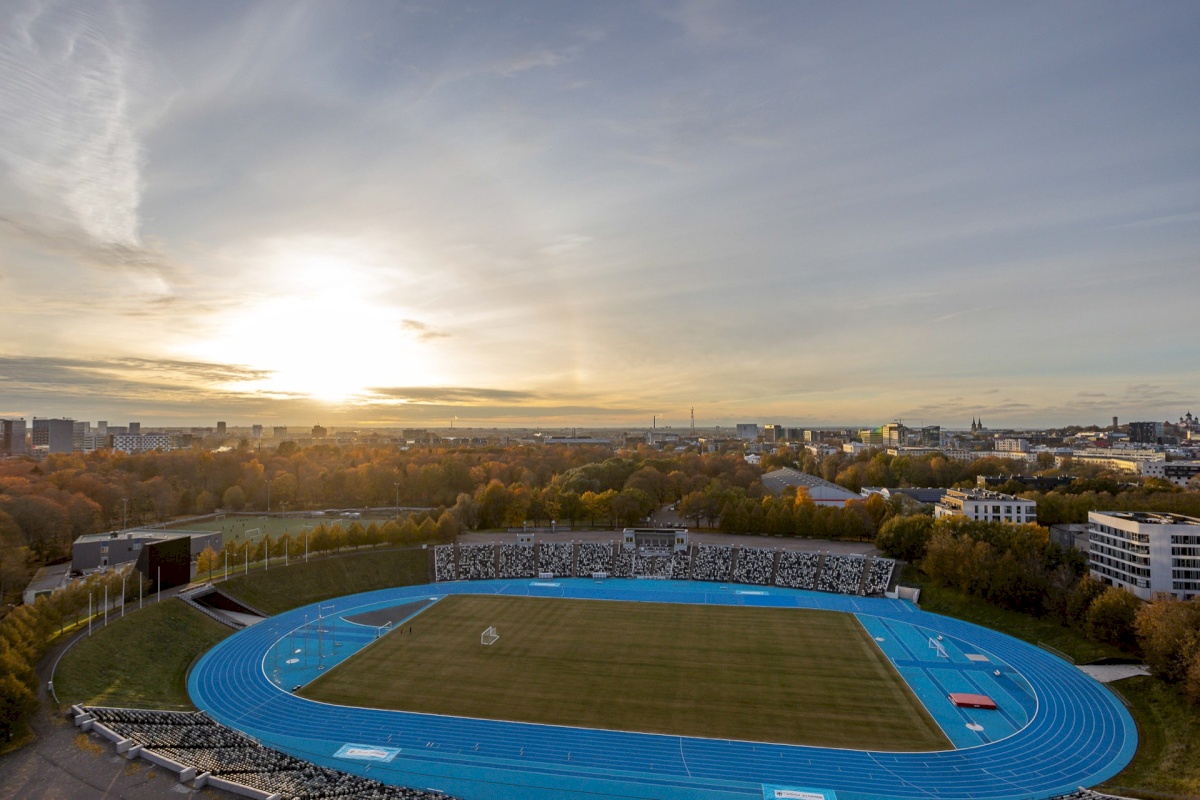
{"x": 791, "y": 676}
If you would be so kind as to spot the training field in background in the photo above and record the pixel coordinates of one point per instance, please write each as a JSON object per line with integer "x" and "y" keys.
{"x": 236, "y": 528}
{"x": 786, "y": 675}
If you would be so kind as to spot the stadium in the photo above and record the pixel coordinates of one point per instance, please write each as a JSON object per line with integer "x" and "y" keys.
{"x": 735, "y": 673}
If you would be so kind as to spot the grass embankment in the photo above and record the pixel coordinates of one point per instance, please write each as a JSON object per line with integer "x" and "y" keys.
{"x": 1168, "y": 755}
{"x": 140, "y": 661}
{"x": 762, "y": 674}
{"x": 281, "y": 588}
{"x": 1021, "y": 626}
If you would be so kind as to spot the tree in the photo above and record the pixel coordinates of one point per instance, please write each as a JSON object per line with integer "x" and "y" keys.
{"x": 905, "y": 538}
{"x": 234, "y": 498}
{"x": 207, "y": 561}
{"x": 1112, "y": 616}
{"x": 1168, "y": 631}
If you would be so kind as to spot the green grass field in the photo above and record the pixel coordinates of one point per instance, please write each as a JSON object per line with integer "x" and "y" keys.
{"x": 762, "y": 674}
{"x": 238, "y": 528}
{"x": 140, "y": 661}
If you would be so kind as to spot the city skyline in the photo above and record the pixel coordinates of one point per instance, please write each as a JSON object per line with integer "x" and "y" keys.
{"x": 532, "y": 214}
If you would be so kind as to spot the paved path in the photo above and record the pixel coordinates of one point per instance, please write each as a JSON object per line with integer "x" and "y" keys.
{"x": 1107, "y": 673}
{"x": 65, "y": 764}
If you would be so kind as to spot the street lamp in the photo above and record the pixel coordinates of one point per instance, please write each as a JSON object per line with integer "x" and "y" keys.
{"x": 397, "y": 485}
{"x": 124, "y": 513}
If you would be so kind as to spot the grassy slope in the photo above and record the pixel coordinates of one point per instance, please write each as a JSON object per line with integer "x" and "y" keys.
{"x": 1022, "y": 626}
{"x": 1168, "y": 756}
{"x": 140, "y": 661}
{"x": 279, "y": 588}
{"x": 783, "y": 675}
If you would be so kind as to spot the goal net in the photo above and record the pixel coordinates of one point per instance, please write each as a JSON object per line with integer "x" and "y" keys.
{"x": 490, "y": 636}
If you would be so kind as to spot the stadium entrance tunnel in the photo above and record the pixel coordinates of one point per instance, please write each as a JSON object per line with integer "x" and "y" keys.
{"x": 1064, "y": 729}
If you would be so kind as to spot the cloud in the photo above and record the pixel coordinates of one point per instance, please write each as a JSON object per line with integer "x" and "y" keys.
{"x": 448, "y": 394}
{"x": 423, "y": 331}
{"x": 67, "y": 133}
{"x": 124, "y": 378}
{"x": 531, "y": 60}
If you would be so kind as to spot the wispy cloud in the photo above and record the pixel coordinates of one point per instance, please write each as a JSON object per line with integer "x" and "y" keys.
{"x": 422, "y": 330}
{"x": 532, "y": 60}
{"x": 67, "y": 133}
{"x": 447, "y": 395}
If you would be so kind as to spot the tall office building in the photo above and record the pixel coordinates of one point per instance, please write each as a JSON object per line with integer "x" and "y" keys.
{"x": 256, "y": 431}
{"x": 53, "y": 435}
{"x": 12, "y": 437}
{"x": 135, "y": 429}
{"x": 220, "y": 428}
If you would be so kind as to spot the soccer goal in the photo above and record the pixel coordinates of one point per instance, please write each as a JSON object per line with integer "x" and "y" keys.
{"x": 490, "y": 636}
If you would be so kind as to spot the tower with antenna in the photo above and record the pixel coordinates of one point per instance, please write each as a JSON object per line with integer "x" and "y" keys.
{"x": 693, "y": 419}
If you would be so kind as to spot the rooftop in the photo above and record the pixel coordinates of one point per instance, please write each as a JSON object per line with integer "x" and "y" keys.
{"x": 1150, "y": 517}
{"x": 779, "y": 479}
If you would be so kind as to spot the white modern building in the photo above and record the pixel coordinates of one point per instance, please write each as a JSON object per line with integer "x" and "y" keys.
{"x": 985, "y": 506}
{"x": 1145, "y": 552}
{"x": 1177, "y": 472}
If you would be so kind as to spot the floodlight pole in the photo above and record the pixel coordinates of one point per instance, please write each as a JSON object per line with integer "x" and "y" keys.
{"x": 122, "y": 595}
{"x": 106, "y": 605}
{"x": 124, "y": 513}
{"x": 89, "y": 613}
{"x": 158, "y": 585}
{"x": 247, "y": 556}
{"x": 306, "y": 545}
{"x": 140, "y": 578}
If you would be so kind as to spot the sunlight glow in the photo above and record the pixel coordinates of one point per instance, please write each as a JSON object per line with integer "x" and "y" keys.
{"x": 325, "y": 332}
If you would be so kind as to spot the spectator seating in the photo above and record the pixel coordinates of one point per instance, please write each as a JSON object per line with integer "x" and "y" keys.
{"x": 681, "y": 564}
{"x": 645, "y": 566}
{"x": 622, "y": 564}
{"x": 797, "y": 570}
{"x": 754, "y": 565}
{"x": 443, "y": 563}
{"x": 193, "y": 740}
{"x": 712, "y": 562}
{"x": 879, "y": 575}
{"x": 557, "y": 558}
{"x": 476, "y": 561}
{"x": 841, "y": 574}
{"x": 516, "y": 561}
{"x": 594, "y": 557}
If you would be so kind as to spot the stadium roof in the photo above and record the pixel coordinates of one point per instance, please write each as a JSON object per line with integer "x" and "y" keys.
{"x": 821, "y": 491}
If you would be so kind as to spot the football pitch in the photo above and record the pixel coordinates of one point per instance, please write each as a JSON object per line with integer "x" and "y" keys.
{"x": 783, "y": 675}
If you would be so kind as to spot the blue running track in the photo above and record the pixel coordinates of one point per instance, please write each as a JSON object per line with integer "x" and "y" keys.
{"x": 1056, "y": 730}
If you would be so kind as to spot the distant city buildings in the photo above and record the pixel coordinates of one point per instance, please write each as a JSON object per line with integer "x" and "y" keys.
{"x": 1146, "y": 553}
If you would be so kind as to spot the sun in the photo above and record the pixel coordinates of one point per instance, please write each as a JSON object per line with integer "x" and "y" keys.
{"x": 324, "y": 331}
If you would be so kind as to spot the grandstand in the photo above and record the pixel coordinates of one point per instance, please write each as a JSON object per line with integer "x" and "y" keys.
{"x": 204, "y": 753}
{"x": 658, "y": 557}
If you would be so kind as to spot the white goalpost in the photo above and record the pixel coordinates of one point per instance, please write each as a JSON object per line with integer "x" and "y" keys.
{"x": 490, "y": 636}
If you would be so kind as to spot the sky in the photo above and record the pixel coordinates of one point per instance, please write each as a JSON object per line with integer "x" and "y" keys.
{"x": 407, "y": 213}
